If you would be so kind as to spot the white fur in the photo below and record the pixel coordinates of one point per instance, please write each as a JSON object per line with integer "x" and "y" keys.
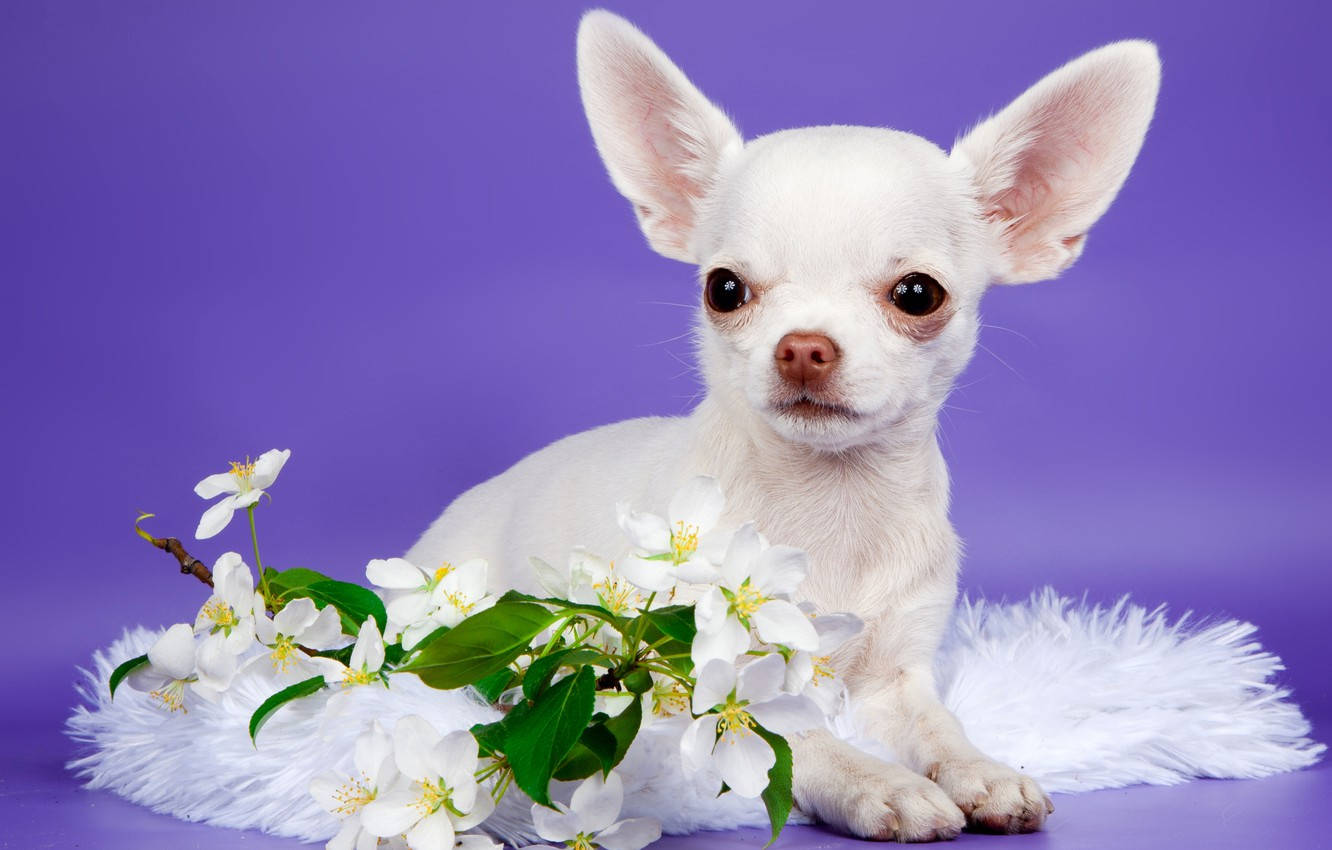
{"x": 820, "y": 223}
{"x": 1081, "y": 698}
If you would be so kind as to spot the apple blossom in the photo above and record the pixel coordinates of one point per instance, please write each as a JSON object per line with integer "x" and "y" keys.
{"x": 421, "y": 601}
{"x": 170, "y": 671}
{"x": 730, "y": 706}
{"x": 810, "y": 672}
{"x": 244, "y": 483}
{"x": 346, "y": 796}
{"x": 683, "y": 546}
{"x": 298, "y": 624}
{"x": 227, "y": 619}
{"x": 441, "y": 795}
{"x": 590, "y": 818}
{"x": 752, "y": 587}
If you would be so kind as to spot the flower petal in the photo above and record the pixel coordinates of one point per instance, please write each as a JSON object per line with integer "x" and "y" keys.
{"x": 787, "y": 714}
{"x": 485, "y": 804}
{"x": 324, "y": 789}
{"x": 244, "y": 500}
{"x": 698, "y": 741}
{"x": 414, "y": 741}
{"x": 215, "y": 485}
{"x": 368, "y": 653}
{"x": 716, "y": 680}
{"x": 698, "y": 503}
{"x": 799, "y": 672}
{"x": 434, "y": 832}
{"x": 391, "y": 813}
{"x": 215, "y": 519}
{"x": 457, "y": 753}
{"x": 371, "y": 749}
{"x": 217, "y": 664}
{"x": 632, "y": 834}
{"x": 779, "y": 570}
{"x": 409, "y": 608}
{"x": 267, "y": 467}
{"x": 835, "y": 630}
{"x": 468, "y": 578}
{"x": 395, "y": 574}
{"x": 779, "y": 621}
{"x": 555, "y": 825}
{"x": 744, "y": 759}
{"x": 173, "y": 653}
{"x": 762, "y": 679}
{"x": 648, "y": 532}
{"x": 325, "y": 632}
{"x": 741, "y": 554}
{"x": 728, "y": 642}
{"x": 597, "y": 801}
{"x": 549, "y": 577}
{"x": 649, "y": 575}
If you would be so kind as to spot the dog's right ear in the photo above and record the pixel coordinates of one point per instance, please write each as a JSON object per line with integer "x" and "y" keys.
{"x": 662, "y": 141}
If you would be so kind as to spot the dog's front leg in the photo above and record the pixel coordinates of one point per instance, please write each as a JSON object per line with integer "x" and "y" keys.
{"x": 905, "y": 712}
{"x": 869, "y": 798}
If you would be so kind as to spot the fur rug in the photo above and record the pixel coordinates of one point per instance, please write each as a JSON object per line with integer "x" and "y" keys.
{"x": 1078, "y": 697}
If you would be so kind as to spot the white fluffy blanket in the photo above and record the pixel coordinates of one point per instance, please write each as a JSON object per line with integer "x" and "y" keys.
{"x": 1078, "y": 697}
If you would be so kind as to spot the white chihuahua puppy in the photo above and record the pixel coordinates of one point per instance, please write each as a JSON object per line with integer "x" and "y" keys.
{"x": 841, "y": 269}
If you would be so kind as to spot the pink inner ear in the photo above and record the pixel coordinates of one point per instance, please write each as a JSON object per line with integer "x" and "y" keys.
{"x": 1049, "y": 164}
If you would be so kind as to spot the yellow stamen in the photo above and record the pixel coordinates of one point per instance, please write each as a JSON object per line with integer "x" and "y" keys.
{"x": 444, "y": 570}
{"x": 735, "y": 719}
{"x": 684, "y": 542}
{"x": 616, "y": 596}
{"x": 172, "y": 696}
{"x": 746, "y": 600}
{"x": 822, "y": 668}
{"x": 351, "y": 678}
{"x": 243, "y": 472}
{"x": 434, "y": 795}
{"x": 353, "y": 795}
{"x": 669, "y": 698}
{"x": 283, "y": 654}
{"x": 462, "y": 603}
{"x": 582, "y": 841}
{"x": 220, "y": 614}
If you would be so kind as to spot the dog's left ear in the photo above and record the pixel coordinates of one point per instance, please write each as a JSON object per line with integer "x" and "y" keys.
{"x": 1047, "y": 166}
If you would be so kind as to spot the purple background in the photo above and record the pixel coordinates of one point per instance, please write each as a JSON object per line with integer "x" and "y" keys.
{"x": 384, "y": 239}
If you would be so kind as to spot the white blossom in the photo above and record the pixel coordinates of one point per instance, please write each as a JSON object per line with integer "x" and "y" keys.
{"x": 440, "y": 796}
{"x": 244, "y": 484}
{"x": 682, "y": 546}
{"x": 170, "y": 673}
{"x": 347, "y": 796}
{"x": 722, "y": 741}
{"x": 590, "y": 818}
{"x": 227, "y": 619}
{"x": 298, "y": 624}
{"x": 811, "y": 672}
{"x": 421, "y": 601}
{"x": 752, "y": 589}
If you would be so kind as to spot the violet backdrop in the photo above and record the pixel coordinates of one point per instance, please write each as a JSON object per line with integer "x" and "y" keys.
{"x": 381, "y": 236}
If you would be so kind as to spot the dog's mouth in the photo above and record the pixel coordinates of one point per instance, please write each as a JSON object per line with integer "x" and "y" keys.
{"x": 809, "y": 408}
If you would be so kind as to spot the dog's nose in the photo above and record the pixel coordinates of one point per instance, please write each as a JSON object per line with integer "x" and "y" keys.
{"x": 806, "y": 359}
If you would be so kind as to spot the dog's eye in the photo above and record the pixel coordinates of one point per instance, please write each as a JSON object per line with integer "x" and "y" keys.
{"x": 725, "y": 291}
{"x": 917, "y": 295}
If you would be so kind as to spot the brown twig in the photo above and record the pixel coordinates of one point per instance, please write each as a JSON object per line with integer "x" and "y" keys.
{"x": 189, "y": 565}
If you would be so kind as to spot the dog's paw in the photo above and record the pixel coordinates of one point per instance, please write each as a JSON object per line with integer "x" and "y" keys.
{"x": 994, "y": 797}
{"x": 887, "y": 802}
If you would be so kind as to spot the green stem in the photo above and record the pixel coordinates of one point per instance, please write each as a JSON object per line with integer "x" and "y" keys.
{"x": 258, "y": 562}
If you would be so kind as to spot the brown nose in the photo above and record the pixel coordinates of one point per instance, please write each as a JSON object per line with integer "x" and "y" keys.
{"x": 806, "y": 359}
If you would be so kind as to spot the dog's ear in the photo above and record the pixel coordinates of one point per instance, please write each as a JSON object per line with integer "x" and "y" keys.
{"x": 661, "y": 139}
{"x": 1047, "y": 166}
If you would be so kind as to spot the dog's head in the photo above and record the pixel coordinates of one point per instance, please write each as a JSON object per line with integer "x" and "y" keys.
{"x": 842, "y": 267}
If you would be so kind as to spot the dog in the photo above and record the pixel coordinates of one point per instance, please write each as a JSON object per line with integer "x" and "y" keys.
{"x": 840, "y": 272}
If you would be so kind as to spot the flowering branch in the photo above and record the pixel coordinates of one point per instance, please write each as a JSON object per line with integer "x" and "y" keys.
{"x": 189, "y": 565}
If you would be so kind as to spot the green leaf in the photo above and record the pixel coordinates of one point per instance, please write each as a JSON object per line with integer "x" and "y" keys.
{"x": 118, "y": 675}
{"x": 543, "y": 737}
{"x": 596, "y": 612}
{"x": 480, "y": 645}
{"x": 674, "y": 621}
{"x": 777, "y": 796}
{"x": 284, "y": 583}
{"x": 591, "y": 753}
{"x": 490, "y": 737}
{"x": 541, "y": 671}
{"x": 490, "y": 687}
{"x": 353, "y": 602}
{"x": 281, "y": 698}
